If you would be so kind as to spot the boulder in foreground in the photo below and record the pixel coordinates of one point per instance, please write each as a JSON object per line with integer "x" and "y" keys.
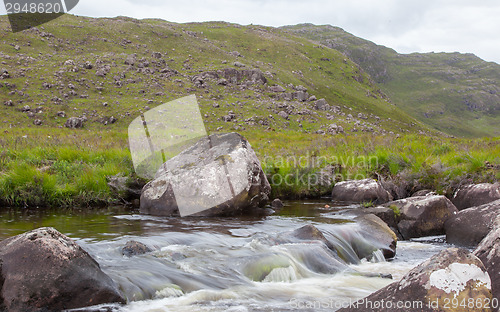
{"x": 220, "y": 175}
{"x": 44, "y": 270}
{"x": 453, "y": 274}
{"x": 489, "y": 253}
{"x": 475, "y": 195}
{"x": 471, "y": 225}
{"x": 423, "y": 215}
{"x": 359, "y": 191}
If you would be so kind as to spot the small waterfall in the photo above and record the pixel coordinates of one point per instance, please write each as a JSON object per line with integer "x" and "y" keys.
{"x": 378, "y": 256}
{"x": 287, "y": 274}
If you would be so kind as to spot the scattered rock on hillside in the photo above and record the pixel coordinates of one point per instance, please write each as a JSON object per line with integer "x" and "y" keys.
{"x": 489, "y": 253}
{"x": 277, "y": 88}
{"x": 423, "y": 216}
{"x": 45, "y": 270}
{"x": 453, "y": 274}
{"x": 219, "y": 175}
{"x": 476, "y": 194}
{"x": 358, "y": 191}
{"x": 471, "y": 225}
{"x": 321, "y": 104}
{"x": 74, "y": 123}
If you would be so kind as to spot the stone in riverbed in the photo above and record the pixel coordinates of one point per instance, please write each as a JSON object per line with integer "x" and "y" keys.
{"x": 44, "y": 270}
{"x": 423, "y": 215}
{"x": 452, "y": 274}
{"x": 220, "y": 175}
{"x": 469, "y": 226}
{"x": 489, "y": 253}
{"x": 378, "y": 233}
{"x": 476, "y": 194}
{"x": 358, "y": 191}
{"x": 134, "y": 248}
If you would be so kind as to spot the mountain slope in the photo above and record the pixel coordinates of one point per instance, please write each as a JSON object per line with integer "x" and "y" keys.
{"x": 455, "y": 93}
{"x": 108, "y": 71}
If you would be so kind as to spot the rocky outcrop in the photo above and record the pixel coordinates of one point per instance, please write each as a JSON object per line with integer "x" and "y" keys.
{"x": 233, "y": 76}
{"x": 423, "y": 215}
{"x": 471, "y": 225}
{"x": 45, "y": 270}
{"x": 358, "y": 191}
{"x": 476, "y": 194}
{"x": 489, "y": 253}
{"x": 452, "y": 274}
{"x": 219, "y": 175}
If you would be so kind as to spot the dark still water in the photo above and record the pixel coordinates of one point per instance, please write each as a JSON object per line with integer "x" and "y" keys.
{"x": 226, "y": 264}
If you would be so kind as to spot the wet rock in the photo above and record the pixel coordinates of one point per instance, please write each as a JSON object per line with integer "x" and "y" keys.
{"x": 219, "y": 175}
{"x": 358, "y": 191}
{"x": 74, "y": 123}
{"x": 489, "y": 253}
{"x": 469, "y": 226}
{"x": 453, "y": 274}
{"x": 126, "y": 188}
{"x": 43, "y": 270}
{"x": 385, "y": 214}
{"x": 423, "y": 216}
{"x": 378, "y": 233}
{"x": 277, "y": 204}
{"x": 476, "y": 194}
{"x": 134, "y": 248}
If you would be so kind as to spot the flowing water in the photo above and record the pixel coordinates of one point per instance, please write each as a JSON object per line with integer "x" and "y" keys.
{"x": 229, "y": 264}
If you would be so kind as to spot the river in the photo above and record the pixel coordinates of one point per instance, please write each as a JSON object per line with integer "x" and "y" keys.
{"x": 226, "y": 264}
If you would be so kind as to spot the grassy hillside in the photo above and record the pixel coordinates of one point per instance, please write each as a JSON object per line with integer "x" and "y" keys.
{"x": 455, "y": 93}
{"x": 262, "y": 82}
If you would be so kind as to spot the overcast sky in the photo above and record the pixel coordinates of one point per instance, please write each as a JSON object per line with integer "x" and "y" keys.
{"x": 404, "y": 25}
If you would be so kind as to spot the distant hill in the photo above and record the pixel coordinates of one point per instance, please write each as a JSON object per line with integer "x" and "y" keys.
{"x": 108, "y": 70}
{"x": 455, "y": 93}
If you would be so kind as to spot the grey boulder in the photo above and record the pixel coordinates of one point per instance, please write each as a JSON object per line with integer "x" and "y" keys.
{"x": 471, "y": 225}
{"x": 44, "y": 270}
{"x": 476, "y": 194}
{"x": 358, "y": 191}
{"x": 220, "y": 175}
{"x": 489, "y": 253}
{"x": 423, "y": 215}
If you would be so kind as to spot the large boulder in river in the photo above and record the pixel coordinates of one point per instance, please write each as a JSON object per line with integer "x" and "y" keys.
{"x": 453, "y": 274}
{"x": 43, "y": 270}
{"x": 358, "y": 191}
{"x": 423, "y": 215}
{"x": 476, "y": 194}
{"x": 378, "y": 233}
{"x": 471, "y": 225}
{"x": 489, "y": 253}
{"x": 219, "y": 175}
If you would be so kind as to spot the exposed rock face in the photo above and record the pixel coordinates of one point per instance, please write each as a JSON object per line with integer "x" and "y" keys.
{"x": 489, "y": 253}
{"x": 219, "y": 175}
{"x": 134, "y": 248}
{"x": 74, "y": 123}
{"x": 452, "y": 274}
{"x": 45, "y": 270}
{"x": 471, "y": 225}
{"x": 378, "y": 233}
{"x": 367, "y": 190}
{"x": 476, "y": 194}
{"x": 423, "y": 215}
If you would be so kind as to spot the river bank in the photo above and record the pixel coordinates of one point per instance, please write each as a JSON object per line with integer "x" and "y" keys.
{"x": 54, "y": 169}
